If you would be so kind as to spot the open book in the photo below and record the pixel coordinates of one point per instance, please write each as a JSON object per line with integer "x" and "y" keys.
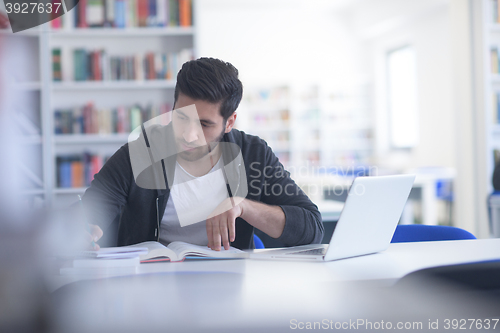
{"x": 178, "y": 251}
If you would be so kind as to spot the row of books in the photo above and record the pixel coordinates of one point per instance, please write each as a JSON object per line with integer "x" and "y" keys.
{"x": 128, "y": 14}
{"x": 275, "y": 117}
{"x": 496, "y": 108}
{"x": 495, "y": 9}
{"x": 347, "y": 158}
{"x": 494, "y": 60}
{"x": 98, "y": 65}
{"x": 78, "y": 170}
{"x": 90, "y": 120}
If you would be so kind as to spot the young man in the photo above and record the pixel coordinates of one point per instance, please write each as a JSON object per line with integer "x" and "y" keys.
{"x": 197, "y": 179}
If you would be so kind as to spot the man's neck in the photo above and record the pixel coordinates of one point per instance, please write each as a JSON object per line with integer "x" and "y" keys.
{"x": 202, "y": 166}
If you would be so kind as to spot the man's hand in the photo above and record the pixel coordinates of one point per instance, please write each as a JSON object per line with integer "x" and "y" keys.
{"x": 93, "y": 235}
{"x": 221, "y": 223}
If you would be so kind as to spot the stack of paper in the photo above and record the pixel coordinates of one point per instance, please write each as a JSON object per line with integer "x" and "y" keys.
{"x": 116, "y": 252}
{"x": 106, "y": 261}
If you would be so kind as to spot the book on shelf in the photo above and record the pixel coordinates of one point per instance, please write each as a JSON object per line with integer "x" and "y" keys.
{"x": 184, "y": 13}
{"x": 142, "y": 13}
{"x": 56, "y": 15}
{"x": 494, "y": 60}
{"x": 109, "y": 13}
{"x": 173, "y": 10}
{"x": 95, "y": 13}
{"x": 130, "y": 14}
{"x": 178, "y": 251}
{"x": 495, "y": 11}
{"x": 161, "y": 13}
{"x": 120, "y": 120}
{"x": 56, "y": 64}
{"x": 76, "y": 171}
{"x": 119, "y": 14}
{"x": 98, "y": 65}
{"x": 495, "y": 108}
{"x": 81, "y": 14}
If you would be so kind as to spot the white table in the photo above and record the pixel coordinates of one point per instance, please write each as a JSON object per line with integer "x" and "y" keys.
{"x": 395, "y": 262}
{"x": 257, "y": 295}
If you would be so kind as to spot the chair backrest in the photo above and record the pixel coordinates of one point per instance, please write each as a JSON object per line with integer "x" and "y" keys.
{"x": 258, "y": 242}
{"x": 426, "y": 233}
{"x": 494, "y": 213}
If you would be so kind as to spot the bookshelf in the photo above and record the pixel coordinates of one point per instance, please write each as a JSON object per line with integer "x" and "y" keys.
{"x": 47, "y": 96}
{"x": 265, "y": 112}
{"x": 491, "y": 42}
{"x": 114, "y": 85}
{"x": 312, "y": 126}
{"x": 22, "y": 97}
{"x": 124, "y": 32}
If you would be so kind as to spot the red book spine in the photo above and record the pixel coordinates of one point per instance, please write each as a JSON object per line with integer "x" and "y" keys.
{"x": 82, "y": 14}
{"x": 97, "y": 66}
{"x": 142, "y": 12}
{"x": 56, "y": 22}
{"x": 120, "y": 128}
{"x": 96, "y": 162}
{"x": 152, "y": 75}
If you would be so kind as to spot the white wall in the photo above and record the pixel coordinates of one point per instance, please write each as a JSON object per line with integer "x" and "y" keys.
{"x": 277, "y": 41}
{"x": 430, "y": 37}
{"x": 470, "y": 72}
{"x": 385, "y": 25}
{"x": 342, "y": 43}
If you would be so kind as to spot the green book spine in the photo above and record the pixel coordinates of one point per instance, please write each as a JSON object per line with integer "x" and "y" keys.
{"x": 56, "y": 65}
{"x": 135, "y": 118}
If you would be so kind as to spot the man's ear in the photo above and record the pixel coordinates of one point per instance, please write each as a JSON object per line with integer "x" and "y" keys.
{"x": 230, "y": 122}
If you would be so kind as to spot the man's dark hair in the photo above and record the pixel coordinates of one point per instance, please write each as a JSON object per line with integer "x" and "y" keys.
{"x": 211, "y": 80}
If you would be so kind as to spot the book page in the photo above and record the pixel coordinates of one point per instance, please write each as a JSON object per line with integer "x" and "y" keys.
{"x": 156, "y": 249}
{"x": 184, "y": 249}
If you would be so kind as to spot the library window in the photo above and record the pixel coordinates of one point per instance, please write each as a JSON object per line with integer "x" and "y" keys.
{"x": 402, "y": 97}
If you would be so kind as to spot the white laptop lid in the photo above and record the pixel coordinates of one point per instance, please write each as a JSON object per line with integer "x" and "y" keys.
{"x": 370, "y": 216}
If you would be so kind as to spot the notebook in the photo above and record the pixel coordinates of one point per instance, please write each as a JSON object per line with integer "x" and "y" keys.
{"x": 366, "y": 224}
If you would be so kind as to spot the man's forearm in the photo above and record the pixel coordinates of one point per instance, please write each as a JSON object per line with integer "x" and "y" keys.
{"x": 269, "y": 219}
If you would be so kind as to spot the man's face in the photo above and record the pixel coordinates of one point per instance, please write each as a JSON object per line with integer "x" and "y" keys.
{"x": 198, "y": 129}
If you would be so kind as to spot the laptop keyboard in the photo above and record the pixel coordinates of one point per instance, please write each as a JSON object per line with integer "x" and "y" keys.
{"x": 319, "y": 251}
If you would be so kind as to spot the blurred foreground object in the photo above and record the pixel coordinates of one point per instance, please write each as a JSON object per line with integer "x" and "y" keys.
{"x": 23, "y": 298}
{"x": 4, "y": 21}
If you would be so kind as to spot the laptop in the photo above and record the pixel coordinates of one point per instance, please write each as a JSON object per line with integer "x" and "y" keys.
{"x": 366, "y": 224}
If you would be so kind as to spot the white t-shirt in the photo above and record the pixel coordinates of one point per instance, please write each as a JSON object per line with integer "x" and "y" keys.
{"x": 191, "y": 200}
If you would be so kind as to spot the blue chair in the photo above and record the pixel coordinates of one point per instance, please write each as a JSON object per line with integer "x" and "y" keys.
{"x": 258, "y": 242}
{"x": 425, "y": 233}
